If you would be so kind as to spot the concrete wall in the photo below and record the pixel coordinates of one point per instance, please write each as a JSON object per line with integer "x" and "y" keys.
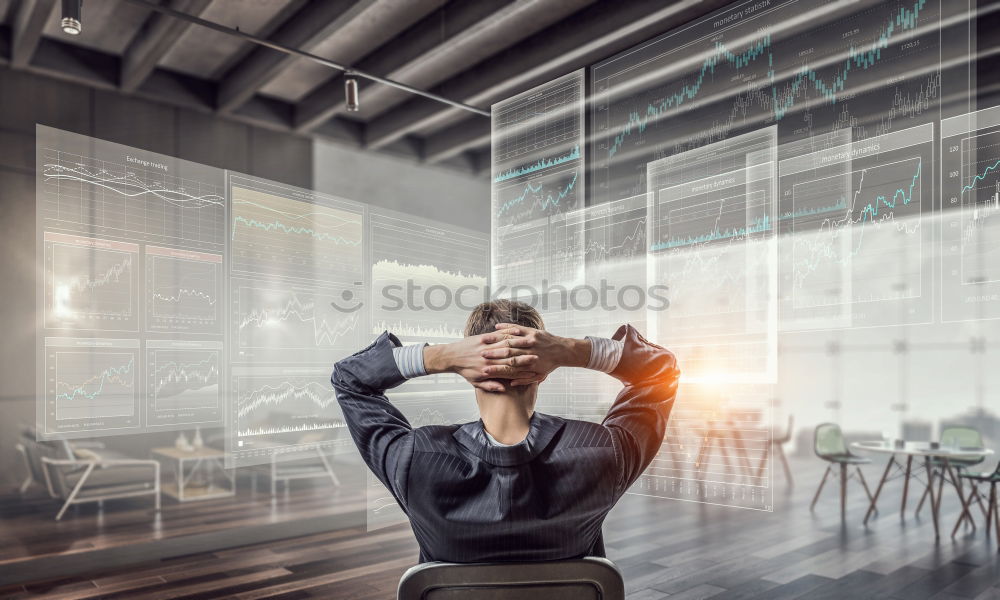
{"x": 28, "y": 99}
{"x": 431, "y": 192}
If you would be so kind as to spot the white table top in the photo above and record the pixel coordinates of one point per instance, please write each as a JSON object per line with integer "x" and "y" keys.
{"x": 921, "y": 449}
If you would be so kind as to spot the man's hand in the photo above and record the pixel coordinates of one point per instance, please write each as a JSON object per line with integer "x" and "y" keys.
{"x": 549, "y": 351}
{"x": 466, "y": 358}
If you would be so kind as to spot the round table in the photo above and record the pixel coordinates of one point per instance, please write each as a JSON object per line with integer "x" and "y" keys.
{"x": 920, "y": 450}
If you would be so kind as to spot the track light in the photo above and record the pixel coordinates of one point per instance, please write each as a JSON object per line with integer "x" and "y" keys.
{"x": 72, "y": 16}
{"x": 351, "y": 96}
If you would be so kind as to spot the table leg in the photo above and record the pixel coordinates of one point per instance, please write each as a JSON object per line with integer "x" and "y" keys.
{"x": 957, "y": 482}
{"x": 992, "y": 504}
{"x": 930, "y": 492}
{"x": 906, "y": 486}
{"x": 843, "y": 492}
{"x": 878, "y": 490}
{"x": 996, "y": 511}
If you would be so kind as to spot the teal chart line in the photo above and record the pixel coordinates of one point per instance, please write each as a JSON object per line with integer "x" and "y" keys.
{"x": 111, "y": 373}
{"x": 757, "y": 225}
{"x": 980, "y": 177}
{"x": 863, "y": 59}
{"x": 808, "y": 212}
{"x": 542, "y": 163}
{"x": 873, "y": 209}
{"x": 550, "y": 199}
{"x": 277, "y": 225}
{"x": 869, "y": 213}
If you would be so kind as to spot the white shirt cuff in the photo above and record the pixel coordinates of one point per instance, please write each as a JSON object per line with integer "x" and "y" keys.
{"x": 605, "y": 353}
{"x": 410, "y": 360}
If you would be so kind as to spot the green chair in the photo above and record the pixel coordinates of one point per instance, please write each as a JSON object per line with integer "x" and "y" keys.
{"x": 993, "y": 514}
{"x": 959, "y": 437}
{"x": 829, "y": 445}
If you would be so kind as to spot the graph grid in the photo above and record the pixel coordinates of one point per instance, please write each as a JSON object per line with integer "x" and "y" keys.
{"x": 91, "y": 194}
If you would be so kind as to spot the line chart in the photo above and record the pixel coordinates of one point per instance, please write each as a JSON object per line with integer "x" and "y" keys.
{"x": 868, "y": 68}
{"x": 539, "y": 165}
{"x": 129, "y": 185}
{"x": 881, "y": 202}
{"x": 283, "y": 415}
{"x": 616, "y": 231}
{"x": 91, "y": 186}
{"x": 713, "y": 245}
{"x": 537, "y": 198}
{"x": 538, "y": 128}
{"x": 290, "y": 324}
{"x": 289, "y": 232}
{"x": 422, "y": 273}
{"x": 857, "y": 58}
{"x": 970, "y": 197}
{"x": 185, "y": 380}
{"x": 855, "y": 235}
{"x": 78, "y": 397}
{"x": 183, "y": 384}
{"x": 91, "y": 386}
{"x": 313, "y": 395}
{"x": 183, "y": 290}
{"x": 90, "y": 283}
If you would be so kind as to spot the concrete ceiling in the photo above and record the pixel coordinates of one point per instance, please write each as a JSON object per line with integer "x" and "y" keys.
{"x": 473, "y": 51}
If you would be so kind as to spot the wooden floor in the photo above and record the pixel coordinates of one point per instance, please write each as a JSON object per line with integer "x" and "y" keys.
{"x": 666, "y": 549}
{"x": 29, "y": 531}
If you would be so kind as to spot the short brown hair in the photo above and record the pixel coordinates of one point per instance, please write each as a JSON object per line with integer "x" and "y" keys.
{"x": 485, "y": 316}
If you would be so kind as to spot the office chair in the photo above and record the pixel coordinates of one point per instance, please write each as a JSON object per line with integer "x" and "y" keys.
{"x": 956, "y": 438}
{"x": 830, "y": 446}
{"x": 588, "y": 578}
{"x": 992, "y": 501}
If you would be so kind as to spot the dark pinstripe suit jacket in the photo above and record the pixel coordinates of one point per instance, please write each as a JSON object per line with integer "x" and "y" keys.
{"x": 542, "y": 499}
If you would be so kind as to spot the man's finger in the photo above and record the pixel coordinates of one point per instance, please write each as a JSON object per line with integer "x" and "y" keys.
{"x": 504, "y": 351}
{"x": 508, "y": 372}
{"x": 499, "y": 336}
{"x": 522, "y": 381}
{"x": 518, "y": 342}
{"x": 489, "y": 386}
{"x": 501, "y": 350}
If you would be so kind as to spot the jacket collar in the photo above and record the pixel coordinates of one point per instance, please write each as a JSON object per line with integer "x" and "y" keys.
{"x": 542, "y": 430}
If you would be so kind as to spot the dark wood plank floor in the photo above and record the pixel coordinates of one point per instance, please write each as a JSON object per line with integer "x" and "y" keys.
{"x": 666, "y": 549}
{"x": 28, "y": 528}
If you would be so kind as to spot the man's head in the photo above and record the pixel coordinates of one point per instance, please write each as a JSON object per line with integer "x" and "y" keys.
{"x": 485, "y": 317}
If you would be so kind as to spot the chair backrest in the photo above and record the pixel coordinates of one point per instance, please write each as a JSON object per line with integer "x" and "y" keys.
{"x": 588, "y": 578}
{"x": 829, "y": 440}
{"x": 35, "y": 450}
{"x": 961, "y": 437}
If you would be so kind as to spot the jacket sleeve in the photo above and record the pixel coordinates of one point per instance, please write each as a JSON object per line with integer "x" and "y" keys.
{"x": 382, "y": 434}
{"x": 638, "y": 418}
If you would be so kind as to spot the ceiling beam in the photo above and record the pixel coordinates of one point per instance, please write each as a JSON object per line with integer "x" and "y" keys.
{"x": 420, "y": 57}
{"x": 95, "y": 69}
{"x": 594, "y": 33}
{"x": 315, "y": 22}
{"x": 442, "y": 31}
{"x": 28, "y": 25}
{"x": 466, "y": 135}
{"x": 153, "y": 40}
{"x": 68, "y": 62}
